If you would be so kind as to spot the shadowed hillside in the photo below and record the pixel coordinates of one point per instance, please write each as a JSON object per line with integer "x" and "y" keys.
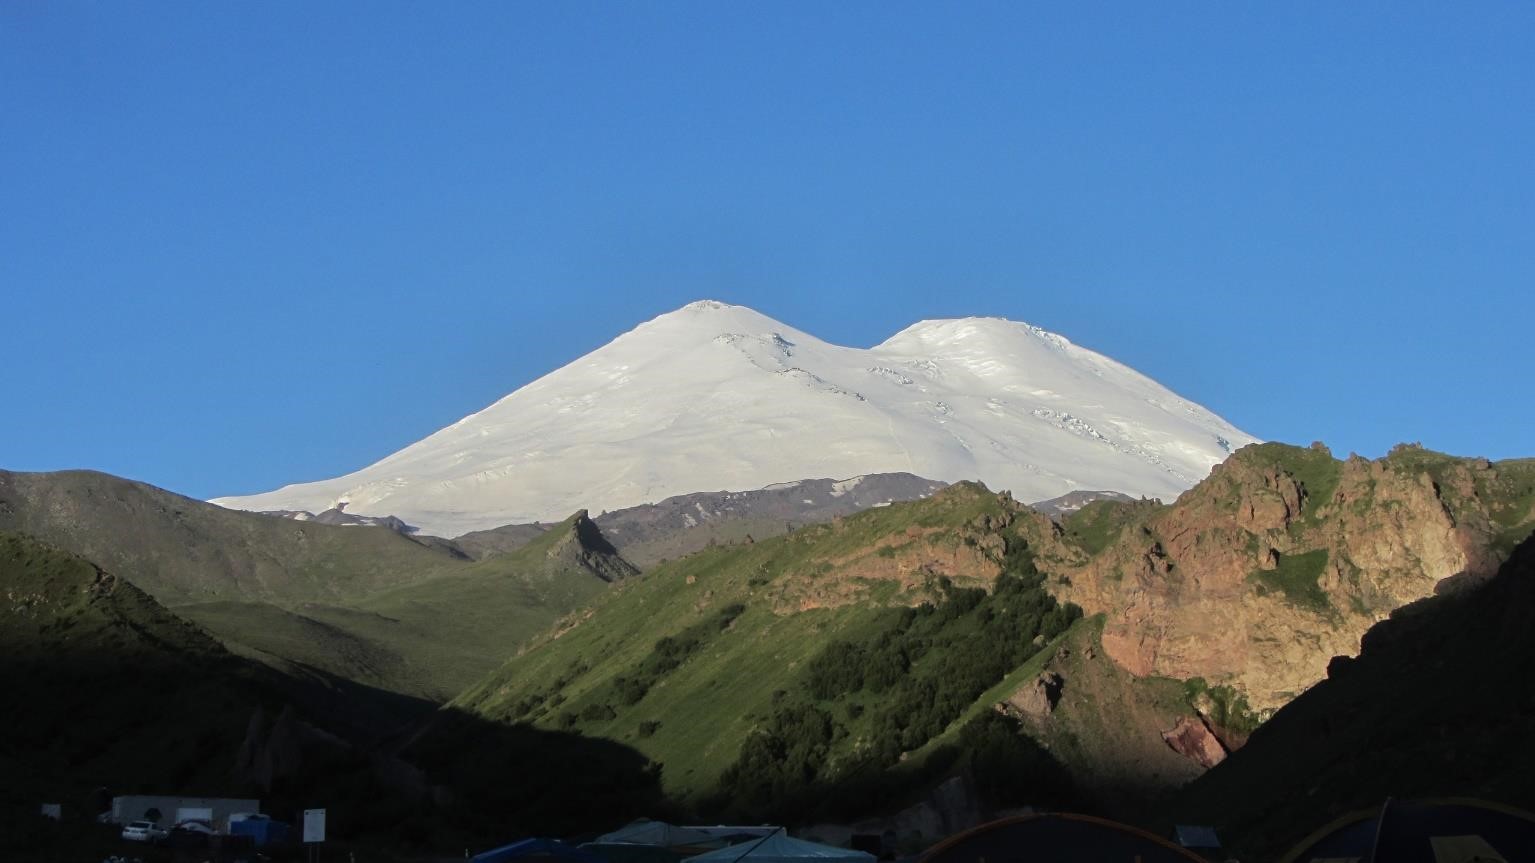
{"x": 102, "y": 681}
{"x": 1440, "y": 703}
{"x": 363, "y": 604}
{"x": 108, "y": 692}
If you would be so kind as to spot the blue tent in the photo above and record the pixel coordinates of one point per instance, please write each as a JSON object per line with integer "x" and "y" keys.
{"x": 652, "y": 842}
{"x": 658, "y": 833}
{"x": 536, "y": 849}
{"x": 782, "y": 848}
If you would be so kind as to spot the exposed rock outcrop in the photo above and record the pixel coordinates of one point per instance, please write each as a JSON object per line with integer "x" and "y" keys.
{"x": 1283, "y": 557}
{"x": 583, "y": 546}
{"x": 1036, "y": 699}
{"x": 1194, "y": 740}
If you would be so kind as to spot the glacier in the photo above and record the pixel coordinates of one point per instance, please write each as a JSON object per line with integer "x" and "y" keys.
{"x": 715, "y": 396}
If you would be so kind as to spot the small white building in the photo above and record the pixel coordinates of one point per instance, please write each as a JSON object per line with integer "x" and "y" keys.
{"x": 167, "y": 811}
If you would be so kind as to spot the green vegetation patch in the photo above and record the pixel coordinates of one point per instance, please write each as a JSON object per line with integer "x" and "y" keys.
{"x": 1226, "y": 707}
{"x": 694, "y": 718}
{"x": 1298, "y": 578}
{"x": 670, "y": 652}
{"x": 1315, "y": 469}
{"x": 1097, "y": 525}
{"x": 1414, "y": 459}
{"x": 1512, "y": 503}
{"x": 918, "y": 670}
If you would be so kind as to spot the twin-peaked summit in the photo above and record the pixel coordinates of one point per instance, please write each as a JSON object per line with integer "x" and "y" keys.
{"x": 715, "y": 396}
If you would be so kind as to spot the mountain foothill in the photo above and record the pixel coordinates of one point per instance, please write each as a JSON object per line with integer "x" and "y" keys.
{"x": 1259, "y": 639}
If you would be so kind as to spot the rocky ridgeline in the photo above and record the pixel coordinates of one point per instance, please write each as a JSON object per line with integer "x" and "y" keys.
{"x": 1282, "y": 558}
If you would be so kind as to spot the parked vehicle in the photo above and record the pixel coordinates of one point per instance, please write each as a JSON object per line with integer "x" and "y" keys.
{"x": 144, "y": 831}
{"x": 183, "y": 838}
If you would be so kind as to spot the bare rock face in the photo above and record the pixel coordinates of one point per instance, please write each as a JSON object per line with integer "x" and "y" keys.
{"x": 1282, "y": 558}
{"x": 1194, "y": 740}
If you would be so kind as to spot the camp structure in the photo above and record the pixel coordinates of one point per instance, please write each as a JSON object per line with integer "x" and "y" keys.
{"x": 1424, "y": 831}
{"x": 535, "y": 850}
{"x": 168, "y": 810}
{"x": 647, "y": 841}
{"x": 1056, "y": 838}
{"x": 735, "y": 834}
{"x": 780, "y": 847}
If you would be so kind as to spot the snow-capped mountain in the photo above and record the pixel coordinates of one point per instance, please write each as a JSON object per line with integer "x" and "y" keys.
{"x": 715, "y": 396}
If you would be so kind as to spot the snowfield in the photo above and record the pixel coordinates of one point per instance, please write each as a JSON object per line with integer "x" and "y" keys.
{"x": 714, "y": 397}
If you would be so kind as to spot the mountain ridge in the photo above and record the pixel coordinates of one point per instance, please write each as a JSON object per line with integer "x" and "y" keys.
{"x": 719, "y": 396}
{"x": 358, "y": 601}
{"x": 648, "y": 665}
{"x": 875, "y": 655}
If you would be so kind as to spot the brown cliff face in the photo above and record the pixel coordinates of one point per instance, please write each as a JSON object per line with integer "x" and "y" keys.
{"x": 1282, "y": 558}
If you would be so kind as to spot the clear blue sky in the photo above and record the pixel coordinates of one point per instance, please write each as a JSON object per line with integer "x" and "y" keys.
{"x": 244, "y": 244}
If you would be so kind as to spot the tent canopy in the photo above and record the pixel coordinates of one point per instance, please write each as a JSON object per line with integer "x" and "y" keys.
{"x": 1056, "y": 837}
{"x": 1429, "y": 831}
{"x": 782, "y": 848}
{"x": 536, "y": 849}
{"x": 658, "y": 833}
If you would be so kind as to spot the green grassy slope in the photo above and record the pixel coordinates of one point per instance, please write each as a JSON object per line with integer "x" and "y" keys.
{"x": 1099, "y": 524}
{"x": 182, "y": 550}
{"x": 689, "y": 663}
{"x": 364, "y": 604}
{"x": 349, "y": 644}
{"x": 433, "y": 638}
{"x": 493, "y": 606}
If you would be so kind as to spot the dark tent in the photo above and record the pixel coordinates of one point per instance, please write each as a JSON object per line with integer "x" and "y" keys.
{"x": 1425, "y": 831}
{"x": 531, "y": 850}
{"x": 1056, "y": 838}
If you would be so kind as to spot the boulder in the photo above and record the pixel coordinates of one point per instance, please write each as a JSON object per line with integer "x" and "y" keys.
{"x": 1194, "y": 740}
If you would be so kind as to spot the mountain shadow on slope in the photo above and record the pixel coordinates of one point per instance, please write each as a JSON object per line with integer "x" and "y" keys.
{"x": 356, "y": 603}
{"x": 1439, "y": 703}
{"x": 517, "y": 780}
{"x": 107, "y": 692}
